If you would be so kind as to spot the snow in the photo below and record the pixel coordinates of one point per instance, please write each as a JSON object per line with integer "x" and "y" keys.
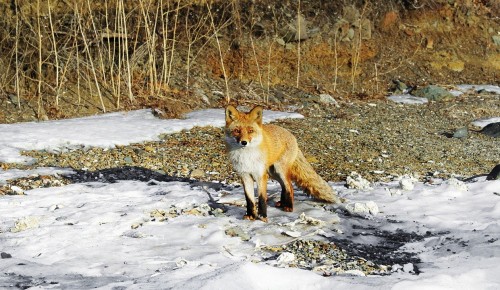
{"x": 408, "y": 99}
{"x": 456, "y": 91}
{"x": 484, "y": 122}
{"x": 106, "y": 235}
{"x": 105, "y": 130}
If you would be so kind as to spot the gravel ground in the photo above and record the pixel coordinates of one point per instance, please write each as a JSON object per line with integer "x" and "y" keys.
{"x": 378, "y": 139}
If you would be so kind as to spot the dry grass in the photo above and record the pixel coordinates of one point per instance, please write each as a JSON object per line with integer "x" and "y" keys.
{"x": 111, "y": 54}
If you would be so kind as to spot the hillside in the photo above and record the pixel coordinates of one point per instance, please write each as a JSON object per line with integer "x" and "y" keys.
{"x": 65, "y": 59}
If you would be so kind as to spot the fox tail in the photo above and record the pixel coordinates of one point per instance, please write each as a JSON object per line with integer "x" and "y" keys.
{"x": 306, "y": 178}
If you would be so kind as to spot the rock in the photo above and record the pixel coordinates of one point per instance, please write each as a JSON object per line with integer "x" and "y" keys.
{"x": 433, "y": 93}
{"x": 307, "y": 220}
{"x": 300, "y": 28}
{"x": 354, "y": 272}
{"x": 407, "y": 183}
{"x": 389, "y": 21}
{"x": 496, "y": 39}
{"x": 456, "y": 65}
{"x": 492, "y": 130}
{"x": 16, "y": 190}
{"x": 201, "y": 94}
{"x": 494, "y": 174}
{"x": 350, "y": 35}
{"x": 408, "y": 268}
{"x": 362, "y": 209}
{"x": 429, "y": 43}
{"x": 399, "y": 87}
{"x": 461, "y": 133}
{"x": 341, "y": 28}
{"x": 280, "y": 41}
{"x": 328, "y": 100}
{"x": 372, "y": 207}
{"x": 237, "y": 232}
{"x": 197, "y": 173}
{"x": 356, "y": 181}
{"x": 285, "y": 259}
{"x": 458, "y": 184}
{"x": 351, "y": 14}
{"x": 25, "y": 223}
{"x": 293, "y": 234}
{"x": 366, "y": 29}
{"x": 4, "y": 255}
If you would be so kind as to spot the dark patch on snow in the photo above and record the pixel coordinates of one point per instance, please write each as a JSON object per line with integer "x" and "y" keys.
{"x": 112, "y": 175}
{"x": 369, "y": 239}
{"x": 387, "y": 248}
{"x": 17, "y": 281}
{"x": 25, "y": 282}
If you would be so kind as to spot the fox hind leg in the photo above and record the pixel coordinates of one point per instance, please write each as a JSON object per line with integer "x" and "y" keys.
{"x": 277, "y": 173}
{"x": 262, "y": 202}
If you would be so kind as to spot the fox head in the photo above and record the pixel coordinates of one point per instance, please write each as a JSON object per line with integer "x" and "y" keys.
{"x": 243, "y": 129}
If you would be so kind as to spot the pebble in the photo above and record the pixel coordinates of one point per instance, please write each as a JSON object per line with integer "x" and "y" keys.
{"x": 356, "y": 181}
{"x": 362, "y": 208}
{"x": 25, "y": 223}
{"x": 327, "y": 99}
{"x": 197, "y": 173}
{"x": 458, "y": 184}
{"x": 408, "y": 268}
{"x": 5, "y": 255}
{"x": 285, "y": 259}
{"x": 293, "y": 234}
{"x": 461, "y": 133}
{"x": 407, "y": 182}
{"x": 237, "y": 232}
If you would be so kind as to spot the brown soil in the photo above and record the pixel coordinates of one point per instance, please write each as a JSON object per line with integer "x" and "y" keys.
{"x": 351, "y": 52}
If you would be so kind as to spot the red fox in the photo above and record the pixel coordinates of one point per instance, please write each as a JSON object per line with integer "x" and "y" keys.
{"x": 259, "y": 151}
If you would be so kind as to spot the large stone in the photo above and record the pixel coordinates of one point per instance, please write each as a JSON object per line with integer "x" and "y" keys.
{"x": 494, "y": 174}
{"x": 492, "y": 130}
{"x": 433, "y": 93}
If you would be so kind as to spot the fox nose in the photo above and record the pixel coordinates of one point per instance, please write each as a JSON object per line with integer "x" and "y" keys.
{"x": 244, "y": 143}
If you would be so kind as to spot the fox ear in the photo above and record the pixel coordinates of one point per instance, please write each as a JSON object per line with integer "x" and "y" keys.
{"x": 231, "y": 114}
{"x": 256, "y": 114}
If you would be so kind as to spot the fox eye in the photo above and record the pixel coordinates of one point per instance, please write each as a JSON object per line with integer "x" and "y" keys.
{"x": 236, "y": 131}
{"x": 250, "y": 130}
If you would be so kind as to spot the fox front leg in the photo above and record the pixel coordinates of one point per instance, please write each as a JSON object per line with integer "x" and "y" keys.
{"x": 249, "y": 196}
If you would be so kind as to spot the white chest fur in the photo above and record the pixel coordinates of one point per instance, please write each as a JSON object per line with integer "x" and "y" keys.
{"x": 248, "y": 160}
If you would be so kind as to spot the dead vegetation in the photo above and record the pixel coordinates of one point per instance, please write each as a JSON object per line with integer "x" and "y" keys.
{"x": 68, "y": 58}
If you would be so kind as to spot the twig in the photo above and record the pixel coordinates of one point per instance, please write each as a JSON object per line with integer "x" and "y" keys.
{"x": 299, "y": 28}
{"x": 228, "y": 97}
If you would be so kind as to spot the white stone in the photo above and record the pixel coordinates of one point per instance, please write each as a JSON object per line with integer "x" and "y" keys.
{"x": 356, "y": 181}
{"x": 285, "y": 259}
{"x": 408, "y": 267}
